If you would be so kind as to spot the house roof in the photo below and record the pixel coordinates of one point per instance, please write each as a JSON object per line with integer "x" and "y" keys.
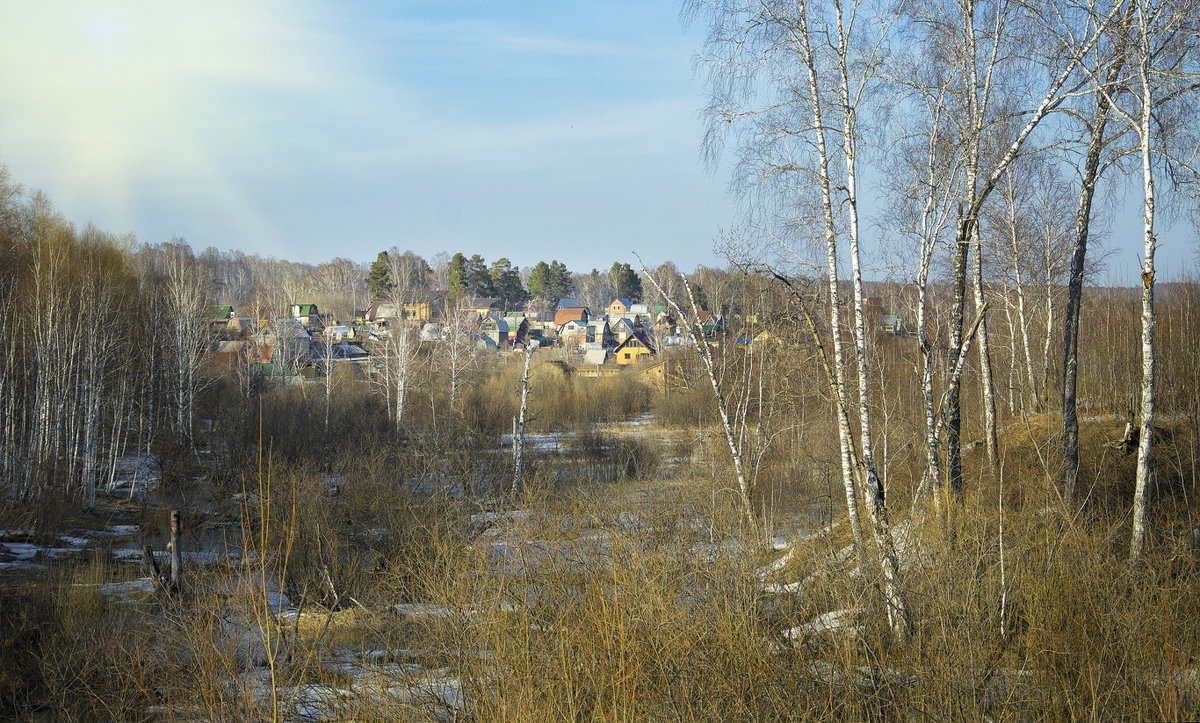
{"x": 635, "y": 340}
{"x": 570, "y": 313}
{"x": 229, "y": 347}
{"x": 623, "y": 301}
{"x": 382, "y": 310}
{"x": 306, "y": 309}
{"x": 595, "y": 356}
{"x": 567, "y": 302}
{"x": 490, "y": 323}
{"x": 478, "y": 302}
{"x": 221, "y": 313}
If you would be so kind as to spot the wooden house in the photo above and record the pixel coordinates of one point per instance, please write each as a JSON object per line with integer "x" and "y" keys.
{"x": 573, "y": 333}
{"x": 495, "y": 328}
{"x": 308, "y": 315}
{"x": 571, "y": 313}
{"x": 634, "y": 349}
{"x": 518, "y": 328}
{"x": 622, "y": 329}
{"x": 598, "y": 332}
{"x": 475, "y": 308}
{"x": 618, "y": 307}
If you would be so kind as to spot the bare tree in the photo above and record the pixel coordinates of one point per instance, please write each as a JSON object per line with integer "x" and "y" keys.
{"x": 519, "y": 427}
{"x": 1164, "y": 82}
{"x": 185, "y": 300}
{"x": 696, "y": 336}
{"x": 823, "y": 65}
{"x": 982, "y": 42}
{"x": 923, "y": 182}
{"x": 408, "y": 275}
{"x": 1104, "y": 64}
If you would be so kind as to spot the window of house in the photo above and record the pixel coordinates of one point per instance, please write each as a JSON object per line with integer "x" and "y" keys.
{"x": 626, "y": 355}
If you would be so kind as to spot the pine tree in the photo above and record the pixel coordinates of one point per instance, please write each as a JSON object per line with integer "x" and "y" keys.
{"x": 458, "y": 276}
{"x": 379, "y": 278}
{"x": 507, "y": 283}
{"x": 625, "y": 282}
{"x": 550, "y": 281}
{"x": 478, "y": 280}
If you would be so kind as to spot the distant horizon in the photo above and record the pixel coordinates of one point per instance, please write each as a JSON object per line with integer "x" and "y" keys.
{"x": 309, "y": 131}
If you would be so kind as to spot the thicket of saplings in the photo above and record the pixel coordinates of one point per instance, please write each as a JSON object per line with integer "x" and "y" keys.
{"x": 636, "y": 595}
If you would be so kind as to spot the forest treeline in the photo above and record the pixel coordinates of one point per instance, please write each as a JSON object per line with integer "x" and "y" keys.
{"x": 106, "y": 341}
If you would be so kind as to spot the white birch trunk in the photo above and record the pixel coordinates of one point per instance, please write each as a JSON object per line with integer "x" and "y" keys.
{"x": 519, "y": 427}
{"x": 1138, "y": 542}
{"x": 897, "y": 609}
{"x": 835, "y": 318}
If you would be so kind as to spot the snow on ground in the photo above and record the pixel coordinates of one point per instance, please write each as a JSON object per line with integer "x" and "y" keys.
{"x": 116, "y": 531}
{"x": 22, "y": 555}
{"x": 835, "y": 621}
{"x": 135, "y": 473}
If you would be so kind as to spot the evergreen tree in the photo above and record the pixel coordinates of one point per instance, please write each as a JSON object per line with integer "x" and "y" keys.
{"x": 478, "y": 279}
{"x": 560, "y": 280}
{"x": 539, "y": 281}
{"x": 507, "y": 283}
{"x": 625, "y": 282}
{"x": 458, "y": 276}
{"x": 379, "y": 278}
{"x": 550, "y": 281}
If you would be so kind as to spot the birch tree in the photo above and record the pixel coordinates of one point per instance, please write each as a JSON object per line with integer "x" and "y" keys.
{"x": 923, "y": 180}
{"x": 791, "y": 80}
{"x": 696, "y": 337}
{"x": 980, "y": 41}
{"x": 1164, "y": 81}
{"x": 1103, "y": 64}
{"x": 409, "y": 274}
{"x": 184, "y": 307}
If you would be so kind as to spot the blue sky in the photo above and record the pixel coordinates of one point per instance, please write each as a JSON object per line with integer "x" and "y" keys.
{"x": 308, "y": 130}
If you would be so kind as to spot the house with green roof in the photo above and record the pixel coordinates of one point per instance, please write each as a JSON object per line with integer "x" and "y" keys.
{"x": 307, "y": 315}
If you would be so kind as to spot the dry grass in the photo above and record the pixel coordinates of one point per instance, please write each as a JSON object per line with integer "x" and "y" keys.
{"x": 639, "y": 599}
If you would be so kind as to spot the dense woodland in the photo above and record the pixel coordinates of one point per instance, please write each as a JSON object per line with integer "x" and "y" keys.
{"x": 961, "y": 485}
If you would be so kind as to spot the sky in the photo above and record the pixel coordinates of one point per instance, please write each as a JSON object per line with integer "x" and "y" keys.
{"x": 309, "y": 129}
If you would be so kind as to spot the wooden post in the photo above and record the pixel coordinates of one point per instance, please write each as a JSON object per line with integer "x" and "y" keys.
{"x": 151, "y": 565}
{"x": 176, "y": 557}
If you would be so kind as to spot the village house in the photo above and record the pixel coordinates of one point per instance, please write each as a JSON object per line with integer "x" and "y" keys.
{"x": 475, "y": 308}
{"x": 419, "y": 310}
{"x": 518, "y": 328}
{"x": 598, "y": 332}
{"x": 381, "y": 314}
{"x": 618, "y": 307}
{"x": 494, "y": 328}
{"x": 573, "y": 333}
{"x": 664, "y": 325}
{"x": 571, "y": 313}
{"x": 342, "y": 352}
{"x": 225, "y": 323}
{"x": 622, "y": 329}
{"x": 230, "y": 353}
{"x": 339, "y": 332}
{"x": 308, "y": 316}
{"x": 634, "y": 349}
